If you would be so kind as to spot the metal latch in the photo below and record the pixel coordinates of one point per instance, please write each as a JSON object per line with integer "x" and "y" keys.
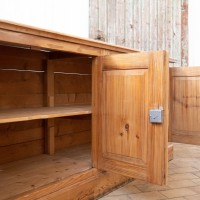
{"x": 156, "y": 115}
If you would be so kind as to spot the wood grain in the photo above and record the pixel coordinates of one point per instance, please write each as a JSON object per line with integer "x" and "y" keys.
{"x": 128, "y": 23}
{"x": 62, "y": 183}
{"x": 159, "y": 97}
{"x": 170, "y": 151}
{"x": 128, "y": 143}
{"x": 145, "y": 25}
{"x": 128, "y": 109}
{"x": 161, "y": 25}
{"x": 22, "y": 58}
{"x": 176, "y": 27}
{"x": 44, "y": 39}
{"x": 125, "y": 61}
{"x": 21, "y": 89}
{"x": 33, "y": 173}
{"x": 169, "y": 29}
{"x": 93, "y": 20}
{"x": 111, "y": 26}
{"x": 184, "y": 33}
{"x": 185, "y": 105}
{"x": 80, "y": 65}
{"x": 153, "y": 9}
{"x": 102, "y": 8}
{"x": 14, "y": 115}
{"x": 21, "y": 150}
{"x": 91, "y": 184}
{"x": 119, "y": 26}
{"x": 137, "y": 19}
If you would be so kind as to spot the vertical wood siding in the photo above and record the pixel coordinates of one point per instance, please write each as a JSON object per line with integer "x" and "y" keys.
{"x": 143, "y": 24}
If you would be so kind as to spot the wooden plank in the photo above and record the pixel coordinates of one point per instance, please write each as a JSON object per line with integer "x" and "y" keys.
{"x": 119, "y": 26}
{"x": 72, "y": 139}
{"x": 68, "y": 125}
{"x": 72, "y": 83}
{"x": 51, "y": 40}
{"x": 17, "y": 52}
{"x": 21, "y": 63}
{"x": 161, "y": 25}
{"x": 137, "y": 24}
{"x": 20, "y": 89}
{"x": 127, "y": 144}
{"x": 94, "y": 19}
{"x": 145, "y": 32}
{"x": 176, "y": 51}
{"x": 159, "y": 97}
{"x": 111, "y": 23}
{"x": 73, "y": 99}
{"x": 22, "y": 59}
{"x": 154, "y": 24}
{"x": 186, "y": 139}
{"x": 185, "y": 104}
{"x": 144, "y": 25}
{"x": 102, "y": 20}
{"x": 14, "y": 115}
{"x": 20, "y": 83}
{"x": 97, "y": 77}
{"x": 91, "y": 190}
{"x": 169, "y": 26}
{"x": 92, "y": 184}
{"x": 184, "y": 33}
{"x": 49, "y": 123}
{"x": 79, "y": 65}
{"x": 21, "y": 101}
{"x": 128, "y": 23}
{"x": 185, "y": 71}
{"x": 140, "y": 155}
{"x": 50, "y": 84}
{"x": 171, "y": 86}
{"x": 45, "y": 43}
{"x": 21, "y": 150}
{"x": 21, "y": 140}
{"x": 32, "y": 173}
{"x": 126, "y": 61}
{"x": 170, "y": 151}
{"x": 49, "y": 137}
{"x": 70, "y": 74}
{"x": 8, "y": 137}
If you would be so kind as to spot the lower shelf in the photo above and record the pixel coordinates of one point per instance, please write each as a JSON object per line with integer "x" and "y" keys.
{"x": 28, "y": 174}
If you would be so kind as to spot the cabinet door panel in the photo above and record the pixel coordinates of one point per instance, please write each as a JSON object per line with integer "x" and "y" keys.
{"x": 129, "y": 86}
{"x": 125, "y": 114}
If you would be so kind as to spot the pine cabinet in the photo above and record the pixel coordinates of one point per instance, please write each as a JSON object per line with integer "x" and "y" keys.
{"x": 75, "y": 115}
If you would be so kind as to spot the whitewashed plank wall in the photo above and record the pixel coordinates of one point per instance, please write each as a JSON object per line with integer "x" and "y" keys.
{"x": 142, "y": 24}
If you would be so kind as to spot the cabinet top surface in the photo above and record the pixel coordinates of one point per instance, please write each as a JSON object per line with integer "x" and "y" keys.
{"x": 36, "y": 38}
{"x": 11, "y": 27}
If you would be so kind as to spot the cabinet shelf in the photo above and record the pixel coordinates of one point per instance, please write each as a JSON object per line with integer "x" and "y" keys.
{"x": 25, "y": 114}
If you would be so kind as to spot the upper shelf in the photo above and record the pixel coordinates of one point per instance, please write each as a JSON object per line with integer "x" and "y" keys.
{"x": 25, "y": 114}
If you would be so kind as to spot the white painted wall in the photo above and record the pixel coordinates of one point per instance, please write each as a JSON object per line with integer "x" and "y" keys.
{"x": 65, "y": 16}
{"x": 194, "y": 33}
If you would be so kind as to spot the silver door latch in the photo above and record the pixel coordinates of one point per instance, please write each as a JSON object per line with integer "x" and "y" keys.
{"x": 156, "y": 116}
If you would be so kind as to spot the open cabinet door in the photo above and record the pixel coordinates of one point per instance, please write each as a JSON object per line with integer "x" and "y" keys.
{"x": 127, "y": 87}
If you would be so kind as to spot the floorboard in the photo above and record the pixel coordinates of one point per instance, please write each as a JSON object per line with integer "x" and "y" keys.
{"x": 28, "y": 174}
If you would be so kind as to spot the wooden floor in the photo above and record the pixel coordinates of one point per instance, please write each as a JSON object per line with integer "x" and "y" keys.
{"x": 183, "y": 180}
{"x": 24, "y": 175}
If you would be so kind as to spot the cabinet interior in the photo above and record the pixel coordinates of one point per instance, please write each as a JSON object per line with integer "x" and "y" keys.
{"x": 36, "y": 102}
